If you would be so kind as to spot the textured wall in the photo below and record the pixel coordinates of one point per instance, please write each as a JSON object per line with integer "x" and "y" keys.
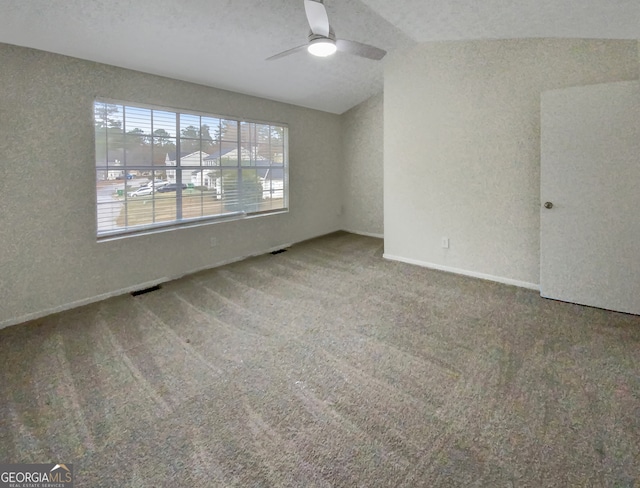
{"x": 362, "y": 147}
{"x": 49, "y": 256}
{"x": 462, "y": 147}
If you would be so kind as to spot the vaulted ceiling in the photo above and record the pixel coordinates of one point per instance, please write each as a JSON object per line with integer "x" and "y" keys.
{"x": 224, "y": 43}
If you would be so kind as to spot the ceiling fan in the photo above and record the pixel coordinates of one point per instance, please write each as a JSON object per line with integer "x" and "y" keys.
{"x": 322, "y": 40}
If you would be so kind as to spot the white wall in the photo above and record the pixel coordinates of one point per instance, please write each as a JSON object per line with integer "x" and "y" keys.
{"x": 461, "y": 147}
{"x": 49, "y": 257}
{"x": 362, "y": 148}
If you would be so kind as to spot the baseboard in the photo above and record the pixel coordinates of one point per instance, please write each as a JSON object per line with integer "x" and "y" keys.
{"x": 129, "y": 289}
{"x": 148, "y": 284}
{"x": 224, "y": 262}
{"x": 367, "y": 234}
{"x": 81, "y": 303}
{"x": 473, "y": 274}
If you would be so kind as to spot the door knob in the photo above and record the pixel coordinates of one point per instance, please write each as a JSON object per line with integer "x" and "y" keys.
{"x": 548, "y": 205}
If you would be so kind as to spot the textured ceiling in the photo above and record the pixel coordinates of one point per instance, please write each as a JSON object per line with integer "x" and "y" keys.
{"x": 439, "y": 20}
{"x": 224, "y": 43}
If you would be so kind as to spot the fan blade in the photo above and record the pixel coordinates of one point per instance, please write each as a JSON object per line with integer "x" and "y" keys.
{"x": 359, "y": 49}
{"x": 317, "y": 17}
{"x": 287, "y": 52}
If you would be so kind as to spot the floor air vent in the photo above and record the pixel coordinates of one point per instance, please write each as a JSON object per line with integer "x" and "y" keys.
{"x": 278, "y": 251}
{"x": 146, "y": 290}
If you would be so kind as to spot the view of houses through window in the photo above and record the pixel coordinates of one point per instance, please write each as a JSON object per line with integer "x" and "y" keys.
{"x": 156, "y": 167}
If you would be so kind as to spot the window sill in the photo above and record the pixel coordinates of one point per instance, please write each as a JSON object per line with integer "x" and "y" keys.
{"x": 184, "y": 224}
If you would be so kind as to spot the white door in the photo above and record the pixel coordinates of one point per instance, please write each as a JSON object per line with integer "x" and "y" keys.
{"x": 590, "y": 174}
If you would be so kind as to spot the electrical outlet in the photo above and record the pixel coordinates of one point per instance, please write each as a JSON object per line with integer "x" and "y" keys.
{"x": 445, "y": 243}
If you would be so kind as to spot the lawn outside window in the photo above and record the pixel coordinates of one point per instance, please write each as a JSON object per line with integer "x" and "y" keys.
{"x": 158, "y": 167}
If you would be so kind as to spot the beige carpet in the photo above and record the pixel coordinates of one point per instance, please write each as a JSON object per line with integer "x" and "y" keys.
{"x": 327, "y": 366}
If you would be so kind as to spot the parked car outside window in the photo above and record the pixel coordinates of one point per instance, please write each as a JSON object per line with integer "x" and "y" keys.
{"x": 171, "y": 187}
{"x": 155, "y": 184}
{"x": 141, "y": 192}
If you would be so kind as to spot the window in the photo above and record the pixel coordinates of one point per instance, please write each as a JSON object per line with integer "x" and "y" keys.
{"x": 157, "y": 167}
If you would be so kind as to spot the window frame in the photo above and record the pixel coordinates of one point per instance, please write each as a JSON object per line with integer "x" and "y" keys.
{"x": 179, "y": 169}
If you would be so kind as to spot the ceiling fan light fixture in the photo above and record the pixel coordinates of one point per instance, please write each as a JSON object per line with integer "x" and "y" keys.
{"x": 322, "y": 47}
